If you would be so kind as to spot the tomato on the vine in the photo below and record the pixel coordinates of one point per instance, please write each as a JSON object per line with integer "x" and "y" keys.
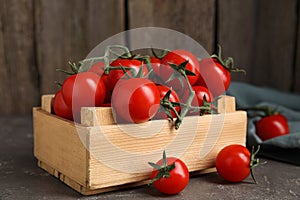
{"x": 155, "y": 64}
{"x": 83, "y": 90}
{"x": 201, "y": 93}
{"x": 234, "y": 163}
{"x": 135, "y": 99}
{"x": 214, "y": 76}
{"x": 60, "y": 107}
{"x": 116, "y": 73}
{"x": 272, "y": 126}
{"x": 97, "y": 68}
{"x": 170, "y": 175}
{"x": 178, "y": 57}
{"x": 172, "y": 98}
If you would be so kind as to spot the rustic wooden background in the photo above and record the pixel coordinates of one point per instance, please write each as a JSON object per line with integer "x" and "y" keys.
{"x": 39, "y": 36}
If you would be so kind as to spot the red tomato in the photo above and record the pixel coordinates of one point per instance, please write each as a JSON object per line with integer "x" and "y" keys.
{"x": 272, "y": 126}
{"x": 176, "y": 181}
{"x": 83, "y": 90}
{"x": 200, "y": 92}
{"x": 135, "y": 99}
{"x": 97, "y": 68}
{"x": 233, "y": 163}
{"x": 214, "y": 76}
{"x": 104, "y": 78}
{"x": 155, "y": 63}
{"x": 178, "y": 57}
{"x": 173, "y": 98}
{"x": 60, "y": 107}
{"x": 115, "y": 75}
{"x": 198, "y": 99}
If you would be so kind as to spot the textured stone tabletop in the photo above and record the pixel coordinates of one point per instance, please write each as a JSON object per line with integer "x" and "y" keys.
{"x": 20, "y": 178}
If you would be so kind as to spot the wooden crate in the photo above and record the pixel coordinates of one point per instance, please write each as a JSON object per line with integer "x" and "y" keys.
{"x": 87, "y": 156}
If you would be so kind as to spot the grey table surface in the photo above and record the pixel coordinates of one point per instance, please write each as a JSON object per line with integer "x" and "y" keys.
{"x": 20, "y": 177}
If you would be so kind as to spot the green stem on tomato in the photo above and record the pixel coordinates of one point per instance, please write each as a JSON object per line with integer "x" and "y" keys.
{"x": 254, "y": 161}
{"x": 186, "y": 108}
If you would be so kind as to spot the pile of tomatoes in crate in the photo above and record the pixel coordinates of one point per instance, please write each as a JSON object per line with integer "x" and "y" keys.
{"x": 144, "y": 87}
{"x": 172, "y": 85}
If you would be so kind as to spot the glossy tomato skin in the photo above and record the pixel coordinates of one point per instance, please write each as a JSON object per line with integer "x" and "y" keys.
{"x": 115, "y": 75}
{"x": 233, "y": 163}
{"x": 97, "y": 68}
{"x": 177, "y": 57}
{"x": 60, "y": 107}
{"x": 272, "y": 126}
{"x": 155, "y": 63}
{"x": 173, "y": 98}
{"x": 178, "y": 180}
{"x": 200, "y": 92}
{"x": 214, "y": 76}
{"x": 104, "y": 78}
{"x": 136, "y": 100}
{"x": 83, "y": 90}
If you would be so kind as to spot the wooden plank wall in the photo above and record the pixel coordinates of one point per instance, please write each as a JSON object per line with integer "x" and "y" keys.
{"x": 39, "y": 36}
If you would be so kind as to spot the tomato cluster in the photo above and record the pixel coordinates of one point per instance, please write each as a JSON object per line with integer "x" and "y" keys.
{"x": 137, "y": 87}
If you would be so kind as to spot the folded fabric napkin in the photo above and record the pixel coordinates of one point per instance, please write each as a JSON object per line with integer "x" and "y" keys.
{"x": 283, "y": 148}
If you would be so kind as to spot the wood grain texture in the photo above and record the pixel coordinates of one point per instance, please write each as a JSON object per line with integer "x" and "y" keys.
{"x": 274, "y": 43}
{"x": 18, "y": 75}
{"x": 99, "y": 116}
{"x": 69, "y": 30}
{"x": 126, "y": 147}
{"x": 57, "y": 143}
{"x": 260, "y": 36}
{"x": 117, "y": 154}
{"x": 236, "y": 31}
{"x": 193, "y": 17}
{"x": 47, "y": 102}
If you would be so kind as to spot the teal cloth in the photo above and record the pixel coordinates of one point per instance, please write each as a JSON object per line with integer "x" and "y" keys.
{"x": 284, "y": 148}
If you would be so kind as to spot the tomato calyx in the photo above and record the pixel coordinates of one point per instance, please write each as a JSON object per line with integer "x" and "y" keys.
{"x": 169, "y": 106}
{"x": 205, "y": 108}
{"x": 161, "y": 55}
{"x": 181, "y": 72}
{"x": 163, "y": 170}
{"x": 254, "y": 161}
{"x": 75, "y": 68}
{"x": 227, "y": 63}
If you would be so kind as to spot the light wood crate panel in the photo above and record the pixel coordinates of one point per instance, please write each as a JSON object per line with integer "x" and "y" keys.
{"x": 71, "y": 151}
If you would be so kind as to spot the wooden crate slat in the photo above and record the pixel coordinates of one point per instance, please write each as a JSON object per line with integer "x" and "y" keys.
{"x": 57, "y": 143}
{"x": 60, "y": 144}
{"x": 157, "y": 142}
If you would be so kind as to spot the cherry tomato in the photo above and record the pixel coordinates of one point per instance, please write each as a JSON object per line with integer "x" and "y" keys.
{"x": 115, "y": 75}
{"x": 60, "y": 107}
{"x": 200, "y": 92}
{"x": 214, "y": 76}
{"x": 171, "y": 178}
{"x": 198, "y": 99}
{"x": 104, "y": 78}
{"x": 272, "y": 126}
{"x": 135, "y": 99}
{"x": 178, "y": 57}
{"x": 83, "y": 90}
{"x": 155, "y": 63}
{"x": 97, "y": 68}
{"x": 173, "y": 98}
{"x": 233, "y": 163}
